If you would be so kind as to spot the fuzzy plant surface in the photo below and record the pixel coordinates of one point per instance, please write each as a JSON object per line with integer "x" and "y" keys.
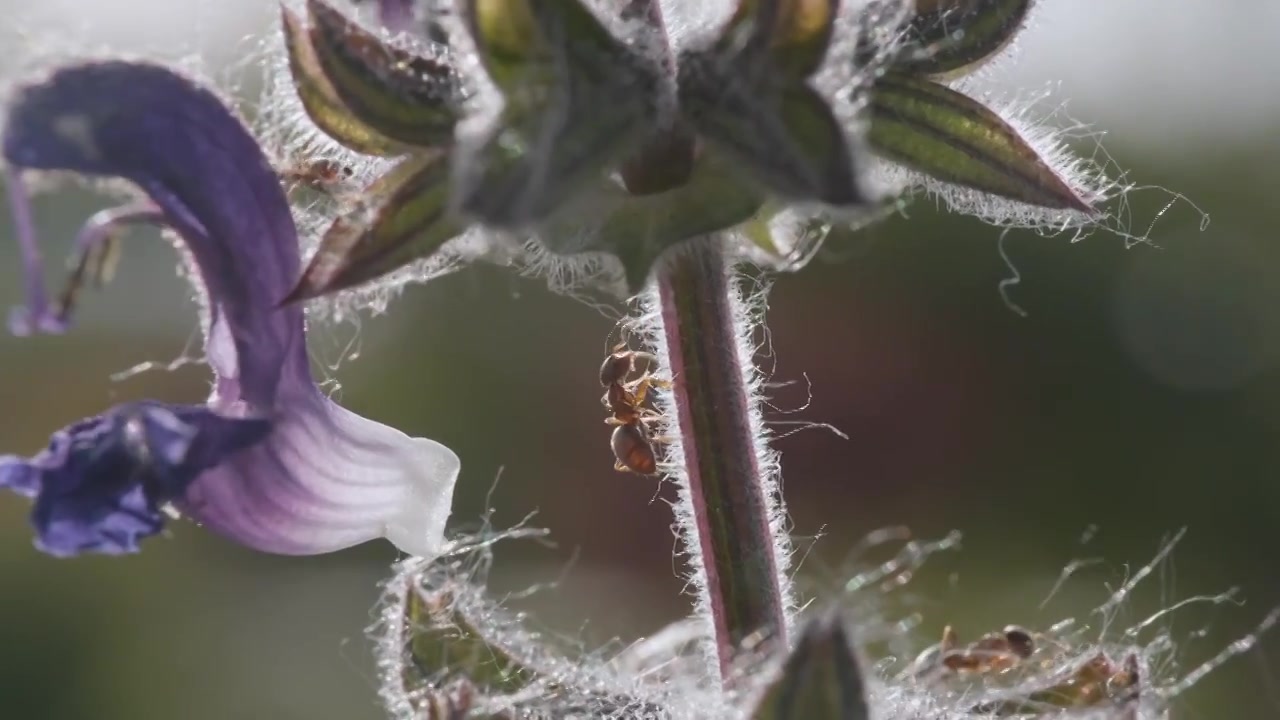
{"x": 667, "y": 154}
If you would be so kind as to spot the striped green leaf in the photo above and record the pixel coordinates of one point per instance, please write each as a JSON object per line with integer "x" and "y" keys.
{"x": 951, "y": 37}
{"x": 821, "y": 679}
{"x": 410, "y": 99}
{"x": 321, "y": 101}
{"x": 953, "y": 138}
{"x": 411, "y": 221}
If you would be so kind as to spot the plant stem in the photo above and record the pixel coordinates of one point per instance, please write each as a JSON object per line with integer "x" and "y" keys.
{"x": 733, "y": 505}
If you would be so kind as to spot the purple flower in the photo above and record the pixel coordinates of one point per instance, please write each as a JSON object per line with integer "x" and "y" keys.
{"x": 268, "y": 461}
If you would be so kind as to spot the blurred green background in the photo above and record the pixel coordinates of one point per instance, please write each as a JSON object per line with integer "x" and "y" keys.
{"x": 1139, "y": 394}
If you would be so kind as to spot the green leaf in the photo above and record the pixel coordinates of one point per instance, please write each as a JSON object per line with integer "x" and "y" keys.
{"x": 445, "y": 642}
{"x": 789, "y": 238}
{"x": 795, "y": 34}
{"x": 948, "y": 136}
{"x": 575, "y": 101}
{"x": 534, "y": 162}
{"x": 411, "y": 221}
{"x": 639, "y": 229}
{"x": 413, "y": 100}
{"x": 820, "y": 680}
{"x": 748, "y": 96}
{"x": 787, "y": 140}
{"x": 510, "y": 44}
{"x": 952, "y": 37}
{"x": 321, "y": 101}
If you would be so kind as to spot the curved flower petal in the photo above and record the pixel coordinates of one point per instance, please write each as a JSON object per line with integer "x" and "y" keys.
{"x": 102, "y": 483}
{"x": 270, "y": 461}
{"x": 327, "y": 479}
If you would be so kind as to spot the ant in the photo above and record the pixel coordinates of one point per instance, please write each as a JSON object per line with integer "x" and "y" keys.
{"x": 323, "y": 176}
{"x": 631, "y": 443}
{"x": 993, "y": 652}
{"x": 1096, "y": 681}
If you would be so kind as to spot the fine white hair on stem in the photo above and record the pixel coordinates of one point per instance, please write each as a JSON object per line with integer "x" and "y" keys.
{"x": 648, "y": 326}
{"x": 748, "y": 300}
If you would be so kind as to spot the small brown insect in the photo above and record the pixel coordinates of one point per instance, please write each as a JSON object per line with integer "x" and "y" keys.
{"x": 1056, "y": 678}
{"x": 993, "y": 652}
{"x": 1094, "y": 682}
{"x": 319, "y": 175}
{"x": 631, "y": 443}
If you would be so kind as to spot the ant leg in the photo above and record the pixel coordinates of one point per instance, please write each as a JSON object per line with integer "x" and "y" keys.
{"x": 641, "y": 386}
{"x": 649, "y": 416}
{"x": 663, "y": 384}
{"x": 639, "y": 389}
{"x": 645, "y": 356}
{"x": 323, "y": 176}
{"x": 949, "y": 639}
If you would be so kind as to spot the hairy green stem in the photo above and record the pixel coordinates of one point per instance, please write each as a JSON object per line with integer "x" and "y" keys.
{"x": 728, "y": 496}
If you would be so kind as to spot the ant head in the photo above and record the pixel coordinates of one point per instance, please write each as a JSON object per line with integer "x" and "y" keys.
{"x": 616, "y": 367}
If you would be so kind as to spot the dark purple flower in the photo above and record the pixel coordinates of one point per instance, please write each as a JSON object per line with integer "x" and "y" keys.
{"x": 102, "y": 483}
{"x": 268, "y": 461}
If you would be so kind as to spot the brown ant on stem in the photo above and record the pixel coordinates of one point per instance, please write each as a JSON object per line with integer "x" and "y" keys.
{"x": 631, "y": 443}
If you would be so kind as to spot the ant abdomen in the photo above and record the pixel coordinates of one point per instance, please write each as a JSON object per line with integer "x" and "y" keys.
{"x": 633, "y": 450}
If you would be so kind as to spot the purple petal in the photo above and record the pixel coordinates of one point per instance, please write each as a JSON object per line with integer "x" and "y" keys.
{"x": 179, "y": 143}
{"x": 36, "y": 315}
{"x": 327, "y": 479}
{"x": 102, "y": 483}
{"x": 322, "y": 478}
